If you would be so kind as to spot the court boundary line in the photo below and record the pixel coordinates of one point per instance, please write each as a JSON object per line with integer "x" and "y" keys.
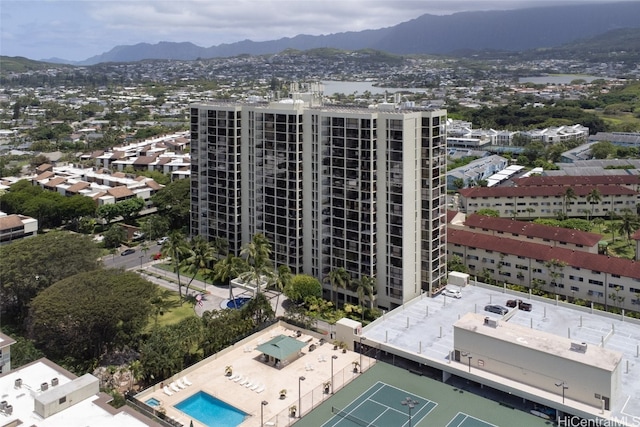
{"x": 466, "y": 416}
{"x": 379, "y": 385}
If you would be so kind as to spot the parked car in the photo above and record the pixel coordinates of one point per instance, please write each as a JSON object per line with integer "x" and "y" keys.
{"x": 128, "y": 252}
{"x": 497, "y": 309}
{"x": 162, "y": 240}
{"x": 452, "y": 293}
{"x": 524, "y": 306}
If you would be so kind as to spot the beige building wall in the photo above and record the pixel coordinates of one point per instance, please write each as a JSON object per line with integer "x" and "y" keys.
{"x": 539, "y": 359}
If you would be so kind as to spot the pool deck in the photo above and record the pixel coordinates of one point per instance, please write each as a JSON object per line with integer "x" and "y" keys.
{"x": 209, "y": 376}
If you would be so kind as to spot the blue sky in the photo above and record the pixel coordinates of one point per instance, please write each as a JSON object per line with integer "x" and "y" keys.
{"x": 77, "y": 30}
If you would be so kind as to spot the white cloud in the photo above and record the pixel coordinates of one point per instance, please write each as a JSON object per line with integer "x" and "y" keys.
{"x": 78, "y": 29}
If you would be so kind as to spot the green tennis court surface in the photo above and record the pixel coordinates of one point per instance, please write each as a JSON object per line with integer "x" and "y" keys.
{"x": 464, "y": 420}
{"x": 439, "y": 404}
{"x": 382, "y": 405}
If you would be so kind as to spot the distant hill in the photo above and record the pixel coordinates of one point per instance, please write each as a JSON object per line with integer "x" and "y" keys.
{"x": 619, "y": 45}
{"x": 18, "y": 64}
{"x": 512, "y": 30}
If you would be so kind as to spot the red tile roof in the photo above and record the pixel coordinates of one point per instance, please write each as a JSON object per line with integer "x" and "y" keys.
{"x": 44, "y": 175}
{"x": 531, "y": 229}
{"x": 144, "y": 160}
{"x": 120, "y": 192}
{"x": 549, "y": 190}
{"x": 577, "y": 180}
{"x": 537, "y": 251}
{"x": 10, "y": 221}
{"x": 78, "y": 186}
{"x": 153, "y": 185}
{"x": 53, "y": 182}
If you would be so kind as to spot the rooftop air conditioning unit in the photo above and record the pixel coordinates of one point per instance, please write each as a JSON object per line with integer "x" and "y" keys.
{"x": 579, "y": 347}
{"x": 8, "y": 410}
{"x": 44, "y": 386}
{"x": 18, "y": 383}
{"x": 3, "y": 405}
{"x": 54, "y": 382}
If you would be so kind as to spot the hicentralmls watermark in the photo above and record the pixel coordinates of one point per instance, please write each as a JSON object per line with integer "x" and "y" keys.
{"x": 598, "y": 422}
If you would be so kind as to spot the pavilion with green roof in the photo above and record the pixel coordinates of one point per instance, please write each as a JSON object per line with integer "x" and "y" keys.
{"x": 281, "y": 350}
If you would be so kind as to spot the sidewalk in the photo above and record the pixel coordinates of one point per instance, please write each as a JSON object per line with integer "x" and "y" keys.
{"x": 213, "y": 296}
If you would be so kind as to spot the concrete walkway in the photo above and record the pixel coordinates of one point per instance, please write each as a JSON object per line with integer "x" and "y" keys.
{"x": 212, "y": 297}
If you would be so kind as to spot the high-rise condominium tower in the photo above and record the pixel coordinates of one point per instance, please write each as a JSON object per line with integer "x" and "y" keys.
{"x": 359, "y": 188}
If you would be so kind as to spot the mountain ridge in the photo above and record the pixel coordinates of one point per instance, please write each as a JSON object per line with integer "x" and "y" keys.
{"x": 507, "y": 30}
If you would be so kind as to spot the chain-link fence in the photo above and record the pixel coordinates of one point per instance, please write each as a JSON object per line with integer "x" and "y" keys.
{"x": 307, "y": 402}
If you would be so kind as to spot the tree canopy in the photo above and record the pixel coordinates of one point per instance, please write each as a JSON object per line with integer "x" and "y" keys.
{"x": 87, "y": 314}
{"x": 30, "y": 265}
{"x": 173, "y": 202}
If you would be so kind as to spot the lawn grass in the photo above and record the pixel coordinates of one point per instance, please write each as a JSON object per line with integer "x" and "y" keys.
{"x": 185, "y": 277}
{"x": 175, "y": 313}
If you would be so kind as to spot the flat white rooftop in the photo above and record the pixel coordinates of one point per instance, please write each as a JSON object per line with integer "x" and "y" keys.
{"x": 423, "y": 328}
{"x": 93, "y": 411}
{"x": 535, "y": 339}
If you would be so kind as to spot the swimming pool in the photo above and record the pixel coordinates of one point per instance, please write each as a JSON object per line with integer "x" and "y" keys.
{"x": 153, "y": 402}
{"x": 211, "y": 411}
{"x": 238, "y": 302}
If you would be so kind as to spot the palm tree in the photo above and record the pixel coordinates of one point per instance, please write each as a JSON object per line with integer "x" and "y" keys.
{"x": 282, "y": 281}
{"x": 227, "y": 269}
{"x": 338, "y": 278}
{"x": 555, "y": 267}
{"x": 364, "y": 287}
{"x": 569, "y": 195}
{"x": 629, "y": 223}
{"x": 257, "y": 254}
{"x": 201, "y": 258}
{"x": 176, "y": 248}
{"x": 593, "y": 198}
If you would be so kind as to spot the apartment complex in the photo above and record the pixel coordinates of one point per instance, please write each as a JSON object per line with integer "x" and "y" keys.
{"x": 561, "y": 261}
{"x": 330, "y": 187}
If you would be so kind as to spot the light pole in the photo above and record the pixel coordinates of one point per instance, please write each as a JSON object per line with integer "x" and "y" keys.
{"x": 141, "y": 256}
{"x": 468, "y": 355}
{"x": 564, "y": 387}
{"x": 300, "y": 379}
{"x": 361, "y": 351}
{"x": 332, "y": 359}
{"x": 409, "y": 403}
{"x": 262, "y": 405}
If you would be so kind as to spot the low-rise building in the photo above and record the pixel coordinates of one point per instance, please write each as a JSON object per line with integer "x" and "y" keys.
{"x": 558, "y": 265}
{"x": 549, "y": 201}
{"x": 15, "y": 227}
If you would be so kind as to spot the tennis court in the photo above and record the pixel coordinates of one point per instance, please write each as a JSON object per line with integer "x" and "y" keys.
{"x": 383, "y": 405}
{"x": 465, "y": 420}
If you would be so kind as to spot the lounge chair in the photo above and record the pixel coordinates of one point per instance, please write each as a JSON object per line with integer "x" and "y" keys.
{"x": 245, "y": 381}
{"x": 181, "y": 384}
{"x": 167, "y": 391}
{"x": 232, "y": 377}
{"x": 249, "y": 384}
{"x": 174, "y": 387}
{"x": 261, "y": 389}
{"x": 186, "y": 381}
{"x": 255, "y": 387}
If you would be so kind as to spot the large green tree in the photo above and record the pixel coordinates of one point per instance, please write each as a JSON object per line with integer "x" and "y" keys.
{"x": 303, "y": 286}
{"x": 30, "y": 265}
{"x": 90, "y": 313}
{"x": 173, "y": 202}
